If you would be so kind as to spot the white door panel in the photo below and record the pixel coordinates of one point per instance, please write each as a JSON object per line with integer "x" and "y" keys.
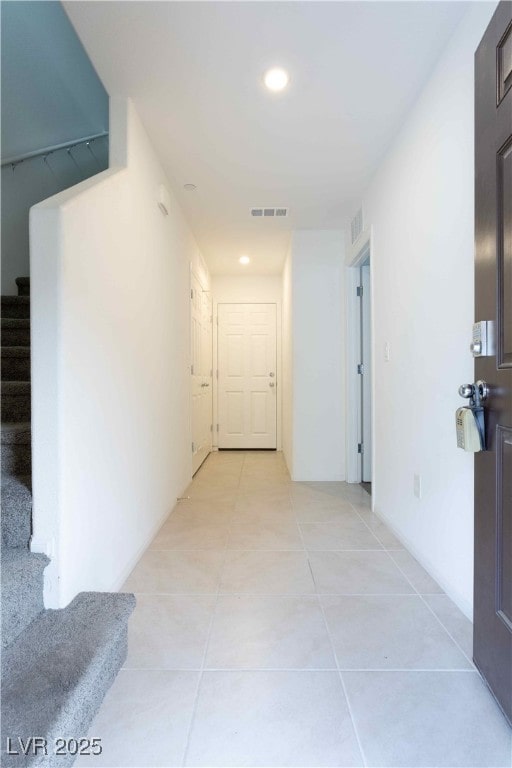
{"x": 201, "y": 372}
{"x": 247, "y": 375}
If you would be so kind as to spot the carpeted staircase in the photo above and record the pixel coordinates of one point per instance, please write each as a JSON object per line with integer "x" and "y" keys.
{"x": 57, "y": 665}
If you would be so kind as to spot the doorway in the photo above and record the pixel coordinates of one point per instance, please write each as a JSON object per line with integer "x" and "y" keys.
{"x": 201, "y": 371}
{"x": 359, "y": 368}
{"x": 365, "y": 375}
{"x": 247, "y": 376}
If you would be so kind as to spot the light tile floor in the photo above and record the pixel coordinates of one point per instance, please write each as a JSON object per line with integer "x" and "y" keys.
{"x": 282, "y": 624}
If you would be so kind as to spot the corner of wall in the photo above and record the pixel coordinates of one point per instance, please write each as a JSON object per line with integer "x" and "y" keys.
{"x": 120, "y": 109}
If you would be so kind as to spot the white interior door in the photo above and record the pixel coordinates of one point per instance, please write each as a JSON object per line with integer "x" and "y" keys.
{"x": 201, "y": 372}
{"x": 247, "y": 370}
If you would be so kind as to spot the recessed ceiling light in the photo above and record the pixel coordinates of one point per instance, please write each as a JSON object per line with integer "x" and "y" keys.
{"x": 276, "y": 79}
{"x": 244, "y": 260}
{"x": 189, "y": 187}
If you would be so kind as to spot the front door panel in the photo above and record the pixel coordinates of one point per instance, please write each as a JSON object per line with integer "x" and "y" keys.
{"x": 247, "y": 375}
{"x": 493, "y": 468}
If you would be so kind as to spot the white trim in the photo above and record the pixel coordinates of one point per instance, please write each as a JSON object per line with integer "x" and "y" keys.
{"x": 203, "y": 280}
{"x": 465, "y": 606}
{"x": 358, "y": 254}
{"x": 353, "y": 409}
{"x": 360, "y": 250}
{"x": 116, "y": 586}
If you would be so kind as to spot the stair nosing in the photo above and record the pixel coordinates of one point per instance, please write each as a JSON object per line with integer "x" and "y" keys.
{"x": 18, "y": 348}
{"x": 8, "y": 384}
{"x": 16, "y": 322}
{"x": 15, "y": 426}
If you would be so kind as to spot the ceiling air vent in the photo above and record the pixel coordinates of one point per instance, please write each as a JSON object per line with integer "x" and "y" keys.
{"x": 356, "y": 225}
{"x": 269, "y": 212}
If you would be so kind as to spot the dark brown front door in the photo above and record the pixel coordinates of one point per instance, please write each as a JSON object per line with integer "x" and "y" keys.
{"x": 493, "y": 468}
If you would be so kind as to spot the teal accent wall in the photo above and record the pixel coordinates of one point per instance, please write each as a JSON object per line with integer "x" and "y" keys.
{"x": 50, "y": 94}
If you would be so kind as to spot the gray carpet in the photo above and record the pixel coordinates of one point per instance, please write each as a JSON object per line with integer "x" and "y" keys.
{"x": 56, "y": 665}
{"x": 16, "y": 449}
{"x": 74, "y": 654}
{"x": 16, "y": 511}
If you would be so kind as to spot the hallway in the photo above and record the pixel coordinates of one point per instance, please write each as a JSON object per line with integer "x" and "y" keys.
{"x": 282, "y": 624}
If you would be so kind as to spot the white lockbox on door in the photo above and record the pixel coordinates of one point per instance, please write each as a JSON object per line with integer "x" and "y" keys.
{"x": 468, "y": 435}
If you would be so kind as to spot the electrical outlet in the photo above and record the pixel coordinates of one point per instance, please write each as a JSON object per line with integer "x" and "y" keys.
{"x": 417, "y": 486}
{"x": 387, "y": 352}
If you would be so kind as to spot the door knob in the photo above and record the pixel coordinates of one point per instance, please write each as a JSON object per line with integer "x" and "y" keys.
{"x": 271, "y": 384}
{"x": 478, "y": 390}
{"x": 271, "y": 375}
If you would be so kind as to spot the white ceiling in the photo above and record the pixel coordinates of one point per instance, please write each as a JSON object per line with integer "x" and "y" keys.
{"x": 194, "y": 71}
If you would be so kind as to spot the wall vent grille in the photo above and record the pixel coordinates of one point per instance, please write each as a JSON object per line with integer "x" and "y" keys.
{"x": 356, "y": 225}
{"x": 269, "y": 213}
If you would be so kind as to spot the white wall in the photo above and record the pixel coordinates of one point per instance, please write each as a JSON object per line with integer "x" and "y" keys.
{"x": 420, "y": 208}
{"x": 317, "y": 368}
{"x": 248, "y": 289}
{"x": 111, "y": 378}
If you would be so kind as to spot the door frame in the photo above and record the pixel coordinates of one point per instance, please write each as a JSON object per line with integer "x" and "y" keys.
{"x": 279, "y": 370}
{"x": 203, "y": 281}
{"x": 361, "y": 251}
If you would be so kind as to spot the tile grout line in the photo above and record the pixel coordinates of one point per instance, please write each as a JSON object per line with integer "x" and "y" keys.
{"x": 282, "y": 596}
{"x": 305, "y": 670}
{"x": 418, "y": 593}
{"x": 333, "y": 649}
{"x": 207, "y": 643}
{"x": 273, "y": 549}
{"x": 425, "y": 602}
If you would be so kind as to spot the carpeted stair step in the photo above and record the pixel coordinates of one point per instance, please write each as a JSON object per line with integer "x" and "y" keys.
{"x": 16, "y": 449}
{"x": 15, "y": 332}
{"x": 15, "y": 401}
{"x": 23, "y": 284}
{"x": 15, "y": 363}
{"x": 22, "y": 591}
{"x": 16, "y": 511}
{"x": 58, "y": 672}
{"x": 16, "y": 306}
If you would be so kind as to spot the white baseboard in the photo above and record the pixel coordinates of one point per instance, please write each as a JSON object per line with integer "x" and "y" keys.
{"x": 116, "y": 587}
{"x": 465, "y": 606}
